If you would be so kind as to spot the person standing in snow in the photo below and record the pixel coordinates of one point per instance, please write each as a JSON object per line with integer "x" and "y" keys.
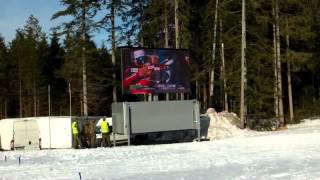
{"x": 104, "y": 129}
{"x": 75, "y": 134}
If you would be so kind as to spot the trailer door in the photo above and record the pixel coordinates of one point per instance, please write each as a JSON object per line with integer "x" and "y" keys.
{"x": 26, "y": 134}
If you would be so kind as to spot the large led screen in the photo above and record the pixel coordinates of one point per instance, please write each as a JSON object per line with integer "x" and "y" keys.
{"x": 154, "y": 71}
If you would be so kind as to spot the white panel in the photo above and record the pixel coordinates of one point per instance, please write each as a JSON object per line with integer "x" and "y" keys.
{"x": 43, "y": 123}
{"x": 26, "y": 133}
{"x": 56, "y": 132}
{"x": 6, "y": 133}
{"x": 19, "y": 133}
{"x": 60, "y": 132}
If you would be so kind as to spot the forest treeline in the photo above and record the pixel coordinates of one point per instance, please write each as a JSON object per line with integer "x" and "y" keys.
{"x": 282, "y": 43}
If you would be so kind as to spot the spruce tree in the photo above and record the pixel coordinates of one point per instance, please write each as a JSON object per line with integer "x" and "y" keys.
{"x": 83, "y": 13}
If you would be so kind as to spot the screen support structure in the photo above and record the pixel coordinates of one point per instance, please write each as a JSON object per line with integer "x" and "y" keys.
{"x": 129, "y": 125}
{"x": 155, "y": 97}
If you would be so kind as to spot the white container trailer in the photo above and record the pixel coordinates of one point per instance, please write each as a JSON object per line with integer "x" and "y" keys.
{"x": 33, "y": 132}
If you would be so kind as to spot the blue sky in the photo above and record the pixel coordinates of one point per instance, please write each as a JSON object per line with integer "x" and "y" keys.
{"x": 14, "y": 14}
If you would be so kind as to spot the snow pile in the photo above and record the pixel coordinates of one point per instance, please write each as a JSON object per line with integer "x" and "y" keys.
{"x": 223, "y": 124}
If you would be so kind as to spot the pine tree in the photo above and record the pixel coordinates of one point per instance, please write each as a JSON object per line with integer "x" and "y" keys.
{"x": 83, "y": 13}
{"x": 112, "y": 9}
{"x": 52, "y": 56}
{"x": 24, "y": 52}
{"x": 71, "y": 71}
{"x": 41, "y": 93}
{"x": 4, "y": 89}
{"x": 133, "y": 21}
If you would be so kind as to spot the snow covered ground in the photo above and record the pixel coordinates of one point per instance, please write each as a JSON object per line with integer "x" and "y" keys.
{"x": 287, "y": 154}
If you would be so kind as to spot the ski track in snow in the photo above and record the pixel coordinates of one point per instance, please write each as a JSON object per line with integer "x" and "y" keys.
{"x": 286, "y": 154}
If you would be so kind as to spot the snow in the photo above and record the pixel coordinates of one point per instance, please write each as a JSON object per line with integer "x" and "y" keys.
{"x": 223, "y": 125}
{"x": 291, "y": 153}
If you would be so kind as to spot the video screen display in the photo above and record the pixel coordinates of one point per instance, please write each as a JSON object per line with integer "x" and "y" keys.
{"x": 154, "y": 71}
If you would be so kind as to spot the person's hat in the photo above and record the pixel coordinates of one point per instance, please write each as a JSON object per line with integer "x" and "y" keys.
{"x": 139, "y": 56}
{"x": 139, "y": 53}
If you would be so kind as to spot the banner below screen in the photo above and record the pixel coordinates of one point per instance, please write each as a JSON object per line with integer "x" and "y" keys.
{"x": 154, "y": 71}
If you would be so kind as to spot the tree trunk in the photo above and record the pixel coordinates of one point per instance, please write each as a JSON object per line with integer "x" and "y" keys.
{"x": 49, "y": 100}
{"x": 20, "y": 88}
{"x": 141, "y": 24}
{"x": 38, "y": 105}
{"x": 275, "y": 59}
{"x": 114, "y": 92}
{"x": 197, "y": 90}
{"x": 176, "y": 22}
{"x": 318, "y": 82}
{"x": 1, "y": 111}
{"x": 243, "y": 67}
{"x": 81, "y": 107}
{"x": 5, "y": 108}
{"x": 205, "y": 96}
{"x": 223, "y": 71}
{"x": 289, "y": 74}
{"x": 313, "y": 90}
{"x": 166, "y": 24}
{"x": 141, "y": 42}
{"x": 211, "y": 84}
{"x": 84, "y": 66}
{"x": 84, "y": 76}
{"x": 20, "y": 93}
{"x": 34, "y": 99}
{"x": 70, "y": 100}
{"x": 281, "y": 117}
{"x": 166, "y": 35}
{"x": 225, "y": 95}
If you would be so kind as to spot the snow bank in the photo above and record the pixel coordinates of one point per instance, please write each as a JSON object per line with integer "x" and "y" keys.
{"x": 226, "y": 124}
{"x": 312, "y": 125}
{"x": 223, "y": 124}
{"x": 306, "y": 123}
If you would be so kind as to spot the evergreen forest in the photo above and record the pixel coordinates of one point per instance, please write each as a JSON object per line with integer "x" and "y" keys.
{"x": 257, "y": 58}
